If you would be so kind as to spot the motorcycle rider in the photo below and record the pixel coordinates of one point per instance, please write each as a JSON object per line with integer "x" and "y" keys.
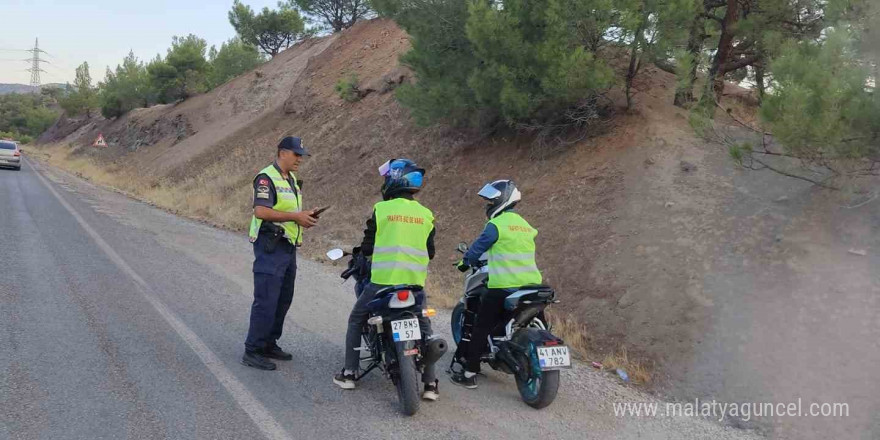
{"x": 509, "y": 242}
{"x": 400, "y": 238}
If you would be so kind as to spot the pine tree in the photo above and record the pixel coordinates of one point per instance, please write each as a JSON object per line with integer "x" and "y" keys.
{"x": 823, "y": 108}
{"x": 335, "y": 14}
{"x": 234, "y": 58}
{"x": 479, "y": 64}
{"x": 126, "y": 88}
{"x": 653, "y": 28}
{"x": 748, "y": 32}
{"x": 271, "y": 30}
{"x": 82, "y": 96}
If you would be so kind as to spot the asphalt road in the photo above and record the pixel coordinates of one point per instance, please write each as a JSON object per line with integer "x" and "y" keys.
{"x": 118, "y": 320}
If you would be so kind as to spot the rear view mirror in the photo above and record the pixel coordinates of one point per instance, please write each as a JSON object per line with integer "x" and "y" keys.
{"x": 462, "y": 247}
{"x": 335, "y": 254}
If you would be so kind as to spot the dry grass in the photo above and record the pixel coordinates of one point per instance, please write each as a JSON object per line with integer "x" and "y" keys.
{"x": 638, "y": 372}
{"x": 572, "y": 332}
{"x": 218, "y": 198}
{"x": 576, "y": 337}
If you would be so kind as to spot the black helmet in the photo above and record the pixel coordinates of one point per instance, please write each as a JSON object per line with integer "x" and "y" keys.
{"x": 401, "y": 175}
{"x": 502, "y": 195}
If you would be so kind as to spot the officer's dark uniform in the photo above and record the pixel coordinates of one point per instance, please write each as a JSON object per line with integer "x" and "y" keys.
{"x": 274, "y": 265}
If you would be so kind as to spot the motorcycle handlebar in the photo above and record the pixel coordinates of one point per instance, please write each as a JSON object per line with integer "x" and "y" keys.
{"x": 474, "y": 266}
{"x": 348, "y": 272}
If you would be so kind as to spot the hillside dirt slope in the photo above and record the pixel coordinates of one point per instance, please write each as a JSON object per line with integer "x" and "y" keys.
{"x": 739, "y": 285}
{"x": 175, "y": 133}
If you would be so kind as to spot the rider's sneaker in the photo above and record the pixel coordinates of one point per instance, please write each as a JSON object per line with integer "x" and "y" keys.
{"x": 432, "y": 391}
{"x": 461, "y": 380}
{"x": 345, "y": 381}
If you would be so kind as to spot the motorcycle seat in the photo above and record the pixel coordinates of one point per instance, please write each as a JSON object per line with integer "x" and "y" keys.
{"x": 529, "y": 293}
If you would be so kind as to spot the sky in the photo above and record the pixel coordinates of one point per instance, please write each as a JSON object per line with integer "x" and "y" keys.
{"x": 102, "y": 32}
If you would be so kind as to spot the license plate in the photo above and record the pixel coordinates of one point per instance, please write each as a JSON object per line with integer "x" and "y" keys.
{"x": 555, "y": 357}
{"x": 406, "y": 330}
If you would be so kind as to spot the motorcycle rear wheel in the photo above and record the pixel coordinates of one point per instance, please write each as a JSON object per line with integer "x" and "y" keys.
{"x": 407, "y": 382}
{"x": 540, "y": 389}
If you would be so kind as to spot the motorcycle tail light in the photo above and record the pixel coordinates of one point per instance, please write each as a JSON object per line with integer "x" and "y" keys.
{"x": 550, "y": 343}
{"x": 403, "y": 295}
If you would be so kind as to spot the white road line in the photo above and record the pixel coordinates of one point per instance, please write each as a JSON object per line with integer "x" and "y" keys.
{"x": 254, "y": 409}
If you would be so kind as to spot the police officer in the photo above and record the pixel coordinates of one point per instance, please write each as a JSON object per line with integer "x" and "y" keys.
{"x": 276, "y": 231}
{"x": 400, "y": 239}
{"x": 509, "y": 241}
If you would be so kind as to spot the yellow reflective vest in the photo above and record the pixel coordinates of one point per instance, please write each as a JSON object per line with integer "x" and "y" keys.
{"x": 512, "y": 257}
{"x": 400, "y": 252}
{"x": 287, "y": 199}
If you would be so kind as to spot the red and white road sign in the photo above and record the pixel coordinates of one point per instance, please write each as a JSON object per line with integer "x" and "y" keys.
{"x": 100, "y": 142}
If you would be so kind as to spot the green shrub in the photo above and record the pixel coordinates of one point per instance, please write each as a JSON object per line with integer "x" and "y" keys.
{"x": 24, "y": 116}
{"x": 347, "y": 88}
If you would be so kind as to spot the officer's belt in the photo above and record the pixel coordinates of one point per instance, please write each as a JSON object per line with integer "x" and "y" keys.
{"x": 274, "y": 238}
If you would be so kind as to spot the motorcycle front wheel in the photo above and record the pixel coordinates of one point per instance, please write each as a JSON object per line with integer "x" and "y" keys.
{"x": 456, "y": 321}
{"x": 539, "y": 390}
{"x": 407, "y": 382}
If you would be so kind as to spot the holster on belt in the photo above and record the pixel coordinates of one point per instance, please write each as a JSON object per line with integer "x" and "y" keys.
{"x": 274, "y": 234}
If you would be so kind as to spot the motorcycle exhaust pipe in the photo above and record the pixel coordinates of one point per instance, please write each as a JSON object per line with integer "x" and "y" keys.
{"x": 435, "y": 348}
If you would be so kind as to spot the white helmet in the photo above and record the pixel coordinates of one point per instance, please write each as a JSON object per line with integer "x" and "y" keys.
{"x": 502, "y": 195}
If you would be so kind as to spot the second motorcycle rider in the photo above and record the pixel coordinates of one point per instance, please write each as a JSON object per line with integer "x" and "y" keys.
{"x": 509, "y": 242}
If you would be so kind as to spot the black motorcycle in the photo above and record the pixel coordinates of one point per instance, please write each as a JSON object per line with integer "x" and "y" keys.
{"x": 392, "y": 338}
{"x": 522, "y": 345}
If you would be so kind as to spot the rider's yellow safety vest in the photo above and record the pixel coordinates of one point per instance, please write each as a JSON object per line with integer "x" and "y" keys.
{"x": 512, "y": 257}
{"x": 400, "y": 253}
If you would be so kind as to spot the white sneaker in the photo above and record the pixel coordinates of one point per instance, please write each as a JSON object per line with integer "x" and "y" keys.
{"x": 432, "y": 391}
{"x": 345, "y": 381}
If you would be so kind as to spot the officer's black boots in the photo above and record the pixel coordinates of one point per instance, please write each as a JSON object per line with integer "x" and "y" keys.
{"x": 256, "y": 360}
{"x": 275, "y": 352}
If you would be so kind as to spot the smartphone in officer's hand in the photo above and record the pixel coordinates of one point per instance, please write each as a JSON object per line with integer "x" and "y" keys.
{"x": 318, "y": 211}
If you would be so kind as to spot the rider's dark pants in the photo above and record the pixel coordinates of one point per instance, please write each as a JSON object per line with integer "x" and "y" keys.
{"x": 489, "y": 315}
{"x": 356, "y": 321}
{"x": 472, "y": 305}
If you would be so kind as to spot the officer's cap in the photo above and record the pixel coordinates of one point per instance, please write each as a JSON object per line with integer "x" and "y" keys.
{"x": 294, "y": 144}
